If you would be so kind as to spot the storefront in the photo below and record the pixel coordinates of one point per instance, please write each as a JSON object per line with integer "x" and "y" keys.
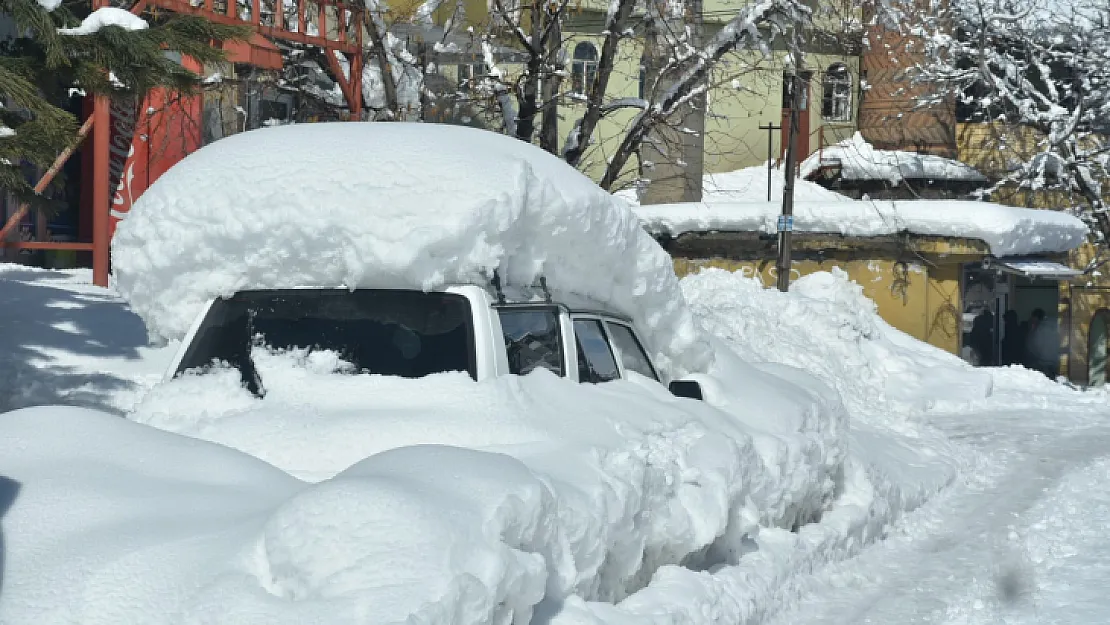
{"x": 1013, "y": 313}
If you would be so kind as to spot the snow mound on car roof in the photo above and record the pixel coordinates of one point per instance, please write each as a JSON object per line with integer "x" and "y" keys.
{"x": 365, "y": 205}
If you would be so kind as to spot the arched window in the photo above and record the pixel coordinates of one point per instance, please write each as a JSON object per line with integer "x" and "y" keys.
{"x": 836, "y": 88}
{"x": 583, "y": 68}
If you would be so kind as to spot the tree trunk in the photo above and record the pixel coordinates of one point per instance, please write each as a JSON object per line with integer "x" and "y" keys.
{"x": 674, "y": 147}
{"x": 614, "y": 30}
{"x": 529, "y": 86}
{"x": 381, "y": 57}
{"x": 549, "y": 130}
{"x": 742, "y": 29}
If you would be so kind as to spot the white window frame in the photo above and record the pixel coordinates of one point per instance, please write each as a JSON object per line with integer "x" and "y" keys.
{"x": 585, "y": 67}
{"x": 837, "y": 91}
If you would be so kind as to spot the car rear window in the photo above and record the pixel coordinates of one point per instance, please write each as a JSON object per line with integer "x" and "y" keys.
{"x": 386, "y": 332}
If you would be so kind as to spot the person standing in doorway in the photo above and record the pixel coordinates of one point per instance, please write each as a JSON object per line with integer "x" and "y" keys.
{"x": 1041, "y": 349}
{"x": 1013, "y": 340}
{"x": 982, "y": 338}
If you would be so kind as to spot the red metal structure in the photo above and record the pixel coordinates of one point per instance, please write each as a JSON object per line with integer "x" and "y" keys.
{"x": 333, "y": 36}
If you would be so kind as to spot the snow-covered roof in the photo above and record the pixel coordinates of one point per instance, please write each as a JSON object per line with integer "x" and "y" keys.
{"x": 374, "y": 205}
{"x": 858, "y": 160}
{"x": 1007, "y": 230}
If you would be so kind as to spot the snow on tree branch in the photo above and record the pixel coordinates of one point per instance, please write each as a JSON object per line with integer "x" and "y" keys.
{"x": 778, "y": 17}
{"x": 1032, "y": 70}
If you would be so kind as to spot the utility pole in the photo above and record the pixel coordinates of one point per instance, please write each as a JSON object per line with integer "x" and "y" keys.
{"x": 770, "y": 128}
{"x": 786, "y": 219}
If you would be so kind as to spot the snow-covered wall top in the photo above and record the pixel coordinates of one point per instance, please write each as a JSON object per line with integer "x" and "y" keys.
{"x": 1006, "y": 229}
{"x": 859, "y": 160}
{"x": 376, "y": 205}
{"x": 750, "y": 185}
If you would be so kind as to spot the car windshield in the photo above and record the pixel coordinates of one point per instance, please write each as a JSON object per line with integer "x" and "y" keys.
{"x": 400, "y": 333}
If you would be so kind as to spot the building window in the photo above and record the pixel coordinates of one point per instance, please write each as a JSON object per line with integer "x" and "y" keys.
{"x": 470, "y": 76}
{"x": 583, "y": 68}
{"x": 836, "y": 87}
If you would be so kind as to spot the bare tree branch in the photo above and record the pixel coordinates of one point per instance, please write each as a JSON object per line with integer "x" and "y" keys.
{"x": 778, "y": 15}
{"x": 615, "y": 28}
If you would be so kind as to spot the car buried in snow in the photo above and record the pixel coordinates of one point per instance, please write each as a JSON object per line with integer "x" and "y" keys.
{"x": 484, "y": 331}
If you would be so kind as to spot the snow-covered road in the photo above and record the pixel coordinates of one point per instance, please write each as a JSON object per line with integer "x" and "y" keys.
{"x": 1018, "y": 540}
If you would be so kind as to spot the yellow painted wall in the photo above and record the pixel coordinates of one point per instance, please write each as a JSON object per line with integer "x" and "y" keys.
{"x": 918, "y": 300}
{"x": 1086, "y": 296}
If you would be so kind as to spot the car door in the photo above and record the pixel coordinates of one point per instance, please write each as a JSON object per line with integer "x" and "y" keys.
{"x": 630, "y": 352}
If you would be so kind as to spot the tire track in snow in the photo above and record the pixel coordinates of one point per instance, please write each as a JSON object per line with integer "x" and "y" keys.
{"x": 966, "y": 538}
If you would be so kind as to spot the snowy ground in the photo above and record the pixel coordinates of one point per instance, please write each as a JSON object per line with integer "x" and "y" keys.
{"x": 970, "y": 496}
{"x": 1021, "y": 539}
{"x": 65, "y": 341}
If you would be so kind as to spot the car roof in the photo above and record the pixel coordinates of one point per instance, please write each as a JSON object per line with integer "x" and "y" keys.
{"x": 514, "y": 297}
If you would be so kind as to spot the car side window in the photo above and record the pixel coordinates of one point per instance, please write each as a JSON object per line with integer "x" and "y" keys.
{"x": 595, "y": 359}
{"x": 629, "y": 350}
{"x": 532, "y": 339}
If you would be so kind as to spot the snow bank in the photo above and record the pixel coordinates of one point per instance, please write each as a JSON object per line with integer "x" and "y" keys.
{"x": 856, "y": 159}
{"x": 828, "y": 327}
{"x": 1007, "y": 230}
{"x": 106, "y": 16}
{"x": 750, "y": 185}
{"x": 367, "y": 205}
{"x": 94, "y": 507}
{"x": 567, "y": 492}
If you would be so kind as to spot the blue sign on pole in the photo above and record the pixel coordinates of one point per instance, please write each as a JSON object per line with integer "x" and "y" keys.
{"x": 786, "y": 223}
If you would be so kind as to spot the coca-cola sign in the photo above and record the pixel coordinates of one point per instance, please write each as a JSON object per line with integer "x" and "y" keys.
{"x": 121, "y": 155}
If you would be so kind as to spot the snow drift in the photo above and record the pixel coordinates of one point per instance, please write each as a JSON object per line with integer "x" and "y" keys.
{"x": 826, "y": 326}
{"x": 542, "y": 490}
{"x": 856, "y": 159}
{"x": 367, "y": 205}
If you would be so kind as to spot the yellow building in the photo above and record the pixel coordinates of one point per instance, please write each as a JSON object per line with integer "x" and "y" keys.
{"x": 949, "y": 291}
{"x": 913, "y": 280}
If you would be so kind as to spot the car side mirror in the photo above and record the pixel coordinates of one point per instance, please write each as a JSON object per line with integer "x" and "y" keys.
{"x": 689, "y": 389}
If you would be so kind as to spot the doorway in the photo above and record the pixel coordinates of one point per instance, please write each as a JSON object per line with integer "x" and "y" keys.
{"x": 1097, "y": 337}
{"x": 986, "y": 296}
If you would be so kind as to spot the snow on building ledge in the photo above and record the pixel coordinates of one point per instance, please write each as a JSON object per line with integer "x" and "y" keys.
{"x": 857, "y": 160}
{"x": 1007, "y": 230}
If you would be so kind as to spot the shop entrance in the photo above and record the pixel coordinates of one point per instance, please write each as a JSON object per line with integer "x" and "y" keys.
{"x": 1011, "y": 313}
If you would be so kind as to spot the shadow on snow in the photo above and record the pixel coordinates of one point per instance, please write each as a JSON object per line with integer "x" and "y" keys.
{"x": 41, "y": 320}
